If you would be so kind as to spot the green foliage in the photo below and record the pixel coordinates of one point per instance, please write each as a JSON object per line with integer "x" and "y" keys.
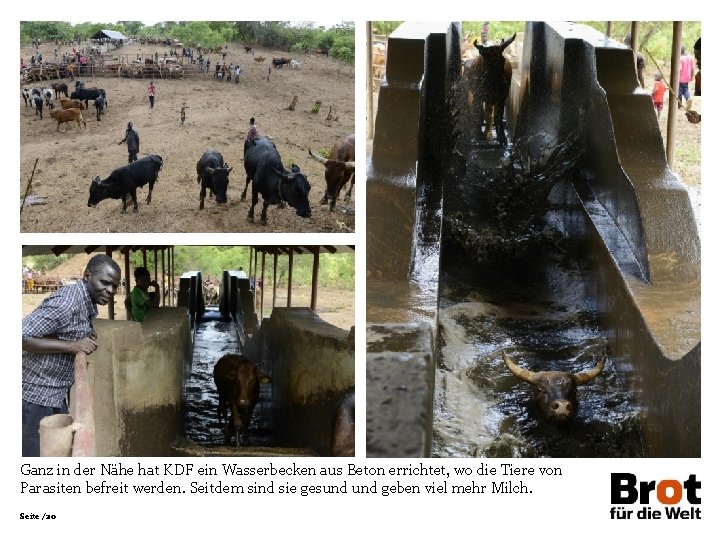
{"x": 338, "y": 40}
{"x": 385, "y": 28}
{"x": 336, "y": 270}
{"x": 201, "y": 33}
{"x": 497, "y": 30}
{"x": 45, "y": 31}
{"x": 44, "y": 263}
{"x": 655, "y": 37}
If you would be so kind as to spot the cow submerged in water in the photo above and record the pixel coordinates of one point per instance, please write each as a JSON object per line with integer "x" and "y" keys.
{"x": 555, "y": 391}
{"x": 238, "y": 384}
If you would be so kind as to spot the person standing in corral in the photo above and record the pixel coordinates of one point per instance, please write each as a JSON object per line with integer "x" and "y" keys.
{"x": 133, "y": 142}
{"x": 151, "y": 94}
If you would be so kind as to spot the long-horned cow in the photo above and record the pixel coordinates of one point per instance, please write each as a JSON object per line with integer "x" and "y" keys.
{"x": 339, "y": 169}
{"x": 489, "y": 77}
{"x": 555, "y": 391}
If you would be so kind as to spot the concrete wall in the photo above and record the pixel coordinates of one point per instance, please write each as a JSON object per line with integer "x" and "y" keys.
{"x": 138, "y": 371}
{"x": 634, "y": 213}
{"x": 400, "y": 383}
{"x": 312, "y": 363}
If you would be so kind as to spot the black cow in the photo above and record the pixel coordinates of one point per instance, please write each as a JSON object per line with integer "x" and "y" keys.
{"x": 25, "y": 93}
{"x": 125, "y": 180}
{"x": 277, "y": 185}
{"x": 85, "y": 94}
{"x": 280, "y": 62}
{"x": 38, "y": 100}
{"x": 100, "y": 106}
{"x": 213, "y": 174}
{"x": 60, "y": 88}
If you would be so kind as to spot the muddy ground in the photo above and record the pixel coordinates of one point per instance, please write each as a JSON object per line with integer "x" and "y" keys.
{"x": 217, "y": 117}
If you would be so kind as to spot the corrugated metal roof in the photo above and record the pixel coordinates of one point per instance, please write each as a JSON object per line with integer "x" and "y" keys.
{"x": 112, "y": 34}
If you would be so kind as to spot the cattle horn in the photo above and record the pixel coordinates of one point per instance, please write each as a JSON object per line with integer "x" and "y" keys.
{"x": 587, "y": 376}
{"x": 210, "y": 170}
{"x": 317, "y": 158}
{"x": 504, "y": 44}
{"x": 349, "y": 165}
{"x": 521, "y": 373}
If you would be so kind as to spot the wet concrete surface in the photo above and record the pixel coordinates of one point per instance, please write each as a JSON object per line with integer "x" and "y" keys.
{"x": 215, "y": 338}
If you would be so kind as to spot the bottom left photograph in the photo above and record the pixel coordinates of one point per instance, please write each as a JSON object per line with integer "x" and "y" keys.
{"x": 188, "y": 350}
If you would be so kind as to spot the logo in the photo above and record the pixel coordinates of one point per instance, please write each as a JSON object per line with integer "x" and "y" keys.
{"x": 680, "y": 499}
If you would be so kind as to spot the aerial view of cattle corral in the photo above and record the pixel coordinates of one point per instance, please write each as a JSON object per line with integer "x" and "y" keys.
{"x": 304, "y": 106}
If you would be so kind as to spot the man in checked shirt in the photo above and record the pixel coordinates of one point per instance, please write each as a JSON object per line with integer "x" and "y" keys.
{"x": 52, "y": 334}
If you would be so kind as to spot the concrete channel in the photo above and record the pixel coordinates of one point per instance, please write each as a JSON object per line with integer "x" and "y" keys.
{"x": 604, "y": 260}
{"x": 155, "y": 394}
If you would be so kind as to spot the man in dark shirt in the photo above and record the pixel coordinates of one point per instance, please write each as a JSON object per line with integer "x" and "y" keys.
{"x": 59, "y": 328}
{"x": 133, "y": 142}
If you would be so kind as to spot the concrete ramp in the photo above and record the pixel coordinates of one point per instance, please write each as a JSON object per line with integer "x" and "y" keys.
{"x": 625, "y": 205}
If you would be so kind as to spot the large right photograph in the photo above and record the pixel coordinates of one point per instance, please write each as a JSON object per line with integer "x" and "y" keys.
{"x": 533, "y": 239}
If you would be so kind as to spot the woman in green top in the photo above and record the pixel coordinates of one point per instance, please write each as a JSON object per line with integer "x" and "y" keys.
{"x": 141, "y": 300}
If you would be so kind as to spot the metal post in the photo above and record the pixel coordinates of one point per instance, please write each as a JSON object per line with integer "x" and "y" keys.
{"x": 675, "y": 84}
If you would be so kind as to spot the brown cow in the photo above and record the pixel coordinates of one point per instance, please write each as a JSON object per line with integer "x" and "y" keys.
{"x": 555, "y": 391}
{"x": 67, "y": 103}
{"x": 339, "y": 169}
{"x": 238, "y": 384}
{"x": 68, "y": 115}
{"x": 259, "y": 59}
{"x": 489, "y": 77}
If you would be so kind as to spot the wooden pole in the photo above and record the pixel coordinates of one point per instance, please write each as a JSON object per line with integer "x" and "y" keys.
{"x": 369, "y": 92}
{"x": 162, "y": 281}
{"x": 675, "y": 86}
{"x": 275, "y": 264}
{"x": 315, "y": 272}
{"x": 290, "y": 273}
{"x": 608, "y": 31}
{"x": 111, "y": 303}
{"x": 262, "y": 289}
{"x": 128, "y": 314}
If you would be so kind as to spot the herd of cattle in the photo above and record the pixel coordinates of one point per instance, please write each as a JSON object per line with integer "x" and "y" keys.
{"x": 70, "y": 107}
{"x": 263, "y": 165}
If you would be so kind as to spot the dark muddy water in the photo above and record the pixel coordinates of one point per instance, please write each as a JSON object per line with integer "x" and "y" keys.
{"x": 545, "y": 322}
{"x": 213, "y": 339}
{"x": 512, "y": 278}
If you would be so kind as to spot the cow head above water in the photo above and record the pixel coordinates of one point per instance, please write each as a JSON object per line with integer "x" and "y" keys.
{"x": 555, "y": 391}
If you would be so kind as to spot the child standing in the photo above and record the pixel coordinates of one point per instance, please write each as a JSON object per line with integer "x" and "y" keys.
{"x": 658, "y": 94}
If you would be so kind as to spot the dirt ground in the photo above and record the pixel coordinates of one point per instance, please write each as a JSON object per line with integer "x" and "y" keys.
{"x": 336, "y": 306}
{"x": 217, "y": 117}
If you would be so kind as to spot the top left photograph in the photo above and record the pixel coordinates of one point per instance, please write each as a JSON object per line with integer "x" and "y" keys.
{"x": 190, "y": 126}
